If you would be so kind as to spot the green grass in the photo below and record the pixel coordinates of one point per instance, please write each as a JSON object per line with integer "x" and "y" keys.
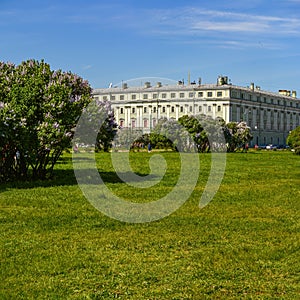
{"x": 243, "y": 245}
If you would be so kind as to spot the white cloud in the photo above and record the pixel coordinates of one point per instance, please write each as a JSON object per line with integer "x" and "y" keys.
{"x": 193, "y": 20}
{"x": 229, "y": 26}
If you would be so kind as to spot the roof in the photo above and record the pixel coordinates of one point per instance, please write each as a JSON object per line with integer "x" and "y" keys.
{"x": 182, "y": 87}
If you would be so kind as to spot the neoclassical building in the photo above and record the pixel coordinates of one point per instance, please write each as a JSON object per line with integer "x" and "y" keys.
{"x": 270, "y": 115}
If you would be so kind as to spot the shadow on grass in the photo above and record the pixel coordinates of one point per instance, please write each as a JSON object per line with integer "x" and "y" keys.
{"x": 66, "y": 177}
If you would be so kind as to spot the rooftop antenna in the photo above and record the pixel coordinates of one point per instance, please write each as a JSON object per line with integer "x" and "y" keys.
{"x": 189, "y": 78}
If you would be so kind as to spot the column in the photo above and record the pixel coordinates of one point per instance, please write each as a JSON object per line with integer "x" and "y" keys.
{"x": 168, "y": 112}
{"x": 177, "y": 111}
{"x": 214, "y": 110}
{"x": 127, "y": 116}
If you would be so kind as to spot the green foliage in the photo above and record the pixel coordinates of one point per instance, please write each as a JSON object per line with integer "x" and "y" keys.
{"x": 129, "y": 138}
{"x": 293, "y": 140}
{"x": 199, "y": 132}
{"x": 184, "y": 135}
{"x": 162, "y": 135}
{"x": 243, "y": 245}
{"x": 196, "y": 131}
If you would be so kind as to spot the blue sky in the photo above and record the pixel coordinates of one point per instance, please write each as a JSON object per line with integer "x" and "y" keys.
{"x": 110, "y": 41}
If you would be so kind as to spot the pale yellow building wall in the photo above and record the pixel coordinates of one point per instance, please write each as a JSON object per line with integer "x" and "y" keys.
{"x": 270, "y": 115}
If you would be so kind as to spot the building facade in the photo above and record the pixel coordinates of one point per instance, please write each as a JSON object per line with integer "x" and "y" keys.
{"x": 270, "y": 115}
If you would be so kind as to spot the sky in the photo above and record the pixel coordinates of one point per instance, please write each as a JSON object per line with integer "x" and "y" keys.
{"x": 118, "y": 40}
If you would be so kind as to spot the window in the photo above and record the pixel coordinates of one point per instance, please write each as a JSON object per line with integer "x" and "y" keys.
{"x": 133, "y": 97}
{"x": 209, "y": 108}
{"x": 133, "y": 110}
{"x": 200, "y": 108}
{"x": 121, "y": 110}
{"x": 181, "y": 108}
{"x": 219, "y": 108}
{"x": 219, "y": 94}
{"x": 145, "y": 96}
{"x": 191, "y": 108}
{"x": 145, "y": 123}
{"x": 163, "y": 109}
{"x": 145, "y": 110}
{"x": 154, "y": 96}
{"x": 164, "y": 95}
{"x": 200, "y": 94}
{"x": 104, "y": 98}
{"x": 242, "y": 96}
{"x": 154, "y": 109}
{"x": 172, "y": 109}
{"x": 121, "y": 123}
{"x": 191, "y": 95}
{"x": 133, "y": 123}
{"x": 112, "y": 97}
{"x": 209, "y": 94}
{"x": 181, "y": 95}
{"x": 250, "y": 97}
{"x": 121, "y": 97}
{"x": 173, "y": 95}
{"x": 234, "y": 94}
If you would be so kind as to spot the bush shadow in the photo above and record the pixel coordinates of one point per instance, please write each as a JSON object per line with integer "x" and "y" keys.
{"x": 66, "y": 177}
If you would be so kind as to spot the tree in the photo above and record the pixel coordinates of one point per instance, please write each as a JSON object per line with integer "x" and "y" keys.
{"x": 39, "y": 109}
{"x": 108, "y": 129}
{"x": 293, "y": 140}
{"x": 126, "y": 138}
{"x": 206, "y": 132}
{"x": 194, "y": 127}
{"x": 160, "y": 135}
{"x": 170, "y": 134}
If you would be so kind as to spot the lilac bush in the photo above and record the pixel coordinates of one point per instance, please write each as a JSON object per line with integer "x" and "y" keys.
{"x": 39, "y": 109}
{"x": 239, "y": 135}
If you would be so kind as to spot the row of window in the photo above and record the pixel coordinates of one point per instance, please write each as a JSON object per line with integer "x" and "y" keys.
{"x": 262, "y": 125}
{"x": 172, "y": 110}
{"x": 201, "y": 94}
{"x": 171, "y": 95}
{"x": 271, "y": 126}
{"x": 266, "y": 111}
{"x": 133, "y": 123}
{"x": 250, "y": 97}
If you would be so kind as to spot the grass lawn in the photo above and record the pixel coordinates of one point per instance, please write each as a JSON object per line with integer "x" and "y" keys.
{"x": 243, "y": 245}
